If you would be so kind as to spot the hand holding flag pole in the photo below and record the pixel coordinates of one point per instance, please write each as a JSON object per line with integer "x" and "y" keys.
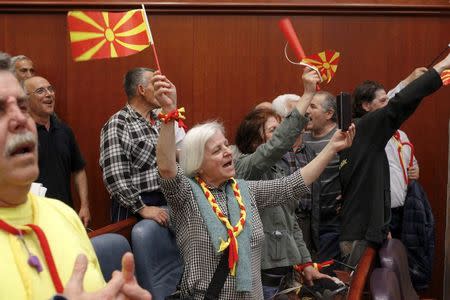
{"x": 445, "y": 75}
{"x": 150, "y": 36}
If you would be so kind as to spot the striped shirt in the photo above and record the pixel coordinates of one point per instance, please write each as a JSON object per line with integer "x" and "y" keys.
{"x": 329, "y": 179}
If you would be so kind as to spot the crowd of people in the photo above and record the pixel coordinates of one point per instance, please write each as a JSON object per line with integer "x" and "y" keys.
{"x": 293, "y": 189}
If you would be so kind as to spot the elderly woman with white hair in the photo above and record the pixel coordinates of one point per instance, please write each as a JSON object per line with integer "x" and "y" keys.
{"x": 214, "y": 213}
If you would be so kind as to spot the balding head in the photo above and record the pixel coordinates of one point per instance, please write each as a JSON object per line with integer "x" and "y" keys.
{"x": 42, "y": 98}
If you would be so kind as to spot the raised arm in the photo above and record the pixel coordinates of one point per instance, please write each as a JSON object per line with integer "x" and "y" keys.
{"x": 251, "y": 166}
{"x": 379, "y": 126}
{"x": 338, "y": 142}
{"x": 166, "y": 94}
{"x": 310, "y": 80}
{"x": 278, "y": 191}
{"x": 411, "y": 77}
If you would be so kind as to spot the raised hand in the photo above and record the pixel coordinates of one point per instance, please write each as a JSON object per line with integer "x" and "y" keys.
{"x": 443, "y": 64}
{"x": 165, "y": 92}
{"x": 343, "y": 139}
{"x": 310, "y": 80}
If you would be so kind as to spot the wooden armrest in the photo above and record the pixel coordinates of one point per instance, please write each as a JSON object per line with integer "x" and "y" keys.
{"x": 361, "y": 274}
{"x": 123, "y": 227}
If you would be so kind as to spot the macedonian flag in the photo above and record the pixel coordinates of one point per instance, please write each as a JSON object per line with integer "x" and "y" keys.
{"x": 96, "y": 34}
{"x": 445, "y": 76}
{"x": 326, "y": 63}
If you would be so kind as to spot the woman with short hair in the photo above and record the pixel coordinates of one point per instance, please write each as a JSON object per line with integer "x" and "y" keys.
{"x": 212, "y": 211}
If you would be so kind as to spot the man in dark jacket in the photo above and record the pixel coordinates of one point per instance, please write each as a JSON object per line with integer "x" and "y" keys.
{"x": 364, "y": 170}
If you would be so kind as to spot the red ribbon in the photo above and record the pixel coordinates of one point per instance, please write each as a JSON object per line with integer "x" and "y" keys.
{"x": 45, "y": 248}
{"x": 318, "y": 266}
{"x": 399, "y": 149}
{"x": 233, "y": 251}
{"x": 173, "y": 115}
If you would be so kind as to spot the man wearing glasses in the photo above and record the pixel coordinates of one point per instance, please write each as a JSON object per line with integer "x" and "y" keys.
{"x": 59, "y": 154}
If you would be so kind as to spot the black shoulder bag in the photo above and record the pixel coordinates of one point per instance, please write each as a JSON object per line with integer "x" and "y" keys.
{"x": 217, "y": 281}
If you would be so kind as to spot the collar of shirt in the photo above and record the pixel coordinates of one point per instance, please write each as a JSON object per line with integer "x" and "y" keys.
{"x": 137, "y": 116}
{"x": 54, "y": 123}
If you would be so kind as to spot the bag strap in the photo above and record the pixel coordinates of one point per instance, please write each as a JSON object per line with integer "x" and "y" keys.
{"x": 219, "y": 278}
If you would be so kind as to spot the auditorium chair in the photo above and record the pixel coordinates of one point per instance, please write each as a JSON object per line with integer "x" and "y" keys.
{"x": 393, "y": 256}
{"x": 110, "y": 247}
{"x": 158, "y": 261}
{"x": 384, "y": 285}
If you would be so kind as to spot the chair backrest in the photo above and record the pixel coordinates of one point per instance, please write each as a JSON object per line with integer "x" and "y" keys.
{"x": 158, "y": 261}
{"x": 110, "y": 247}
{"x": 384, "y": 285}
{"x": 393, "y": 257}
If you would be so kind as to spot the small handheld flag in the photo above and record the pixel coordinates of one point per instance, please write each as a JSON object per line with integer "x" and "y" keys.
{"x": 324, "y": 63}
{"x": 445, "y": 76}
{"x": 96, "y": 34}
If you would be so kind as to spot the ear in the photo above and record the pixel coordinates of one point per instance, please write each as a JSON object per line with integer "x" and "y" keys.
{"x": 140, "y": 89}
{"x": 330, "y": 114}
{"x": 366, "y": 106}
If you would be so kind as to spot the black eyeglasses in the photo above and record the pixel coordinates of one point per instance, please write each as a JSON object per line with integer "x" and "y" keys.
{"x": 42, "y": 90}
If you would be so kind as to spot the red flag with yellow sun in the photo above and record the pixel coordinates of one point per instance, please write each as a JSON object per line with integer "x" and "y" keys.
{"x": 96, "y": 34}
{"x": 445, "y": 76}
{"x": 326, "y": 63}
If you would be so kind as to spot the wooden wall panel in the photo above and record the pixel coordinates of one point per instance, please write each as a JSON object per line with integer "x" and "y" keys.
{"x": 225, "y": 57}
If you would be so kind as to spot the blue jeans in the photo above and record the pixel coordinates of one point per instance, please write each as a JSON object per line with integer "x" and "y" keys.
{"x": 269, "y": 291}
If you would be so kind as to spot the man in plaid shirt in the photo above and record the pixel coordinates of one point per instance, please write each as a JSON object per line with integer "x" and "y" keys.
{"x": 127, "y": 153}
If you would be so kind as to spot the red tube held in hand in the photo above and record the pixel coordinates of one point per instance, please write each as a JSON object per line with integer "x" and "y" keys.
{"x": 292, "y": 38}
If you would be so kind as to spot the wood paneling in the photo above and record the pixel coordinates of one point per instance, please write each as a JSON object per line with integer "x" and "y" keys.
{"x": 225, "y": 57}
{"x": 239, "y": 7}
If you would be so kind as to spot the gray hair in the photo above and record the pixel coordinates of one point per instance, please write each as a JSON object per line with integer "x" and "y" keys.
{"x": 329, "y": 103}
{"x": 5, "y": 61}
{"x": 279, "y": 104}
{"x": 193, "y": 146}
{"x": 15, "y": 59}
{"x": 133, "y": 78}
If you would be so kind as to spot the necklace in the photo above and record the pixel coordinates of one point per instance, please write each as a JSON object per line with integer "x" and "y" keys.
{"x": 232, "y": 231}
{"x": 33, "y": 260}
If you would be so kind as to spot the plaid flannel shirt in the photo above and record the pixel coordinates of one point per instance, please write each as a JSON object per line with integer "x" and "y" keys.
{"x": 128, "y": 157}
